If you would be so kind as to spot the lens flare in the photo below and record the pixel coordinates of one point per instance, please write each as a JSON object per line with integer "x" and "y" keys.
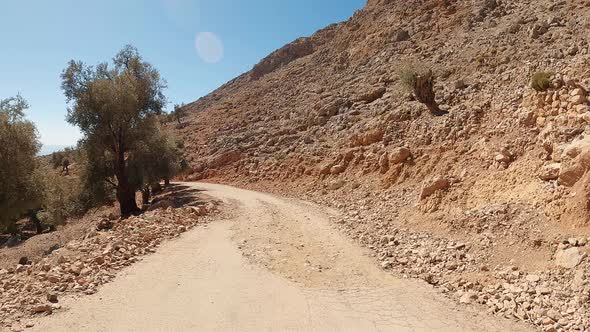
{"x": 209, "y": 47}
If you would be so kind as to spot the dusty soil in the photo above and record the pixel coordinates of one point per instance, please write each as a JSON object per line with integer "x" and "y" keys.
{"x": 270, "y": 264}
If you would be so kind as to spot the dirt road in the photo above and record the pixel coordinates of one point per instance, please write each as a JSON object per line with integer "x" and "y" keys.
{"x": 276, "y": 265}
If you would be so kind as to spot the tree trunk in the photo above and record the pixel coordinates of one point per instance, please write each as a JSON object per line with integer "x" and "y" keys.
{"x": 166, "y": 181}
{"x": 145, "y": 195}
{"x": 156, "y": 188}
{"x": 126, "y": 198}
{"x": 125, "y": 193}
{"x": 35, "y": 221}
{"x": 12, "y": 228}
{"x": 424, "y": 92}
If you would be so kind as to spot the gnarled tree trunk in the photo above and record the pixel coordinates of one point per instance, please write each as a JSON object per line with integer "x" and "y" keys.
{"x": 35, "y": 221}
{"x": 125, "y": 193}
{"x": 126, "y": 198}
{"x": 145, "y": 195}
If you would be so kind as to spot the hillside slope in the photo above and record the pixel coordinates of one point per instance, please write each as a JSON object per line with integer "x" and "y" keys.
{"x": 490, "y": 203}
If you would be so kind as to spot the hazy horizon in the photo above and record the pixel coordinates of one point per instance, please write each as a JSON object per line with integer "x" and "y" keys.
{"x": 47, "y": 149}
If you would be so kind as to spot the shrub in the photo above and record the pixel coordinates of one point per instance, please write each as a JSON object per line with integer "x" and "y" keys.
{"x": 19, "y": 145}
{"x": 407, "y": 75}
{"x": 58, "y": 157}
{"x": 61, "y": 197}
{"x": 421, "y": 83}
{"x": 541, "y": 81}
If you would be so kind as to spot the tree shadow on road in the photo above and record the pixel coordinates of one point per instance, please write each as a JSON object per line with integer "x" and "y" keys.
{"x": 182, "y": 195}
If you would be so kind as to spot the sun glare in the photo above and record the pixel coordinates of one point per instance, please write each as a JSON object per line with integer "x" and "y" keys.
{"x": 209, "y": 47}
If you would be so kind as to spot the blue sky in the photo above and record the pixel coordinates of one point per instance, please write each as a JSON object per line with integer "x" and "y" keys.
{"x": 196, "y": 44}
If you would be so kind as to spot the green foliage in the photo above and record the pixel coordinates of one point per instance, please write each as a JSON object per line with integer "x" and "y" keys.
{"x": 541, "y": 81}
{"x": 61, "y": 197}
{"x": 19, "y": 144}
{"x": 115, "y": 107}
{"x": 155, "y": 159}
{"x": 94, "y": 189}
{"x": 179, "y": 112}
{"x": 59, "y": 157}
{"x": 184, "y": 165}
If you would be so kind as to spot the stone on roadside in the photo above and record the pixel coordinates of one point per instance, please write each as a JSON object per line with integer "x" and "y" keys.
{"x": 337, "y": 169}
{"x": 337, "y": 184}
{"x": 52, "y": 297}
{"x": 468, "y": 297}
{"x": 568, "y": 258}
{"x": 162, "y": 204}
{"x": 41, "y": 308}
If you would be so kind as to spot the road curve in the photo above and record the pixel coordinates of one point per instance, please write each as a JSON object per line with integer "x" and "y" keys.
{"x": 274, "y": 265}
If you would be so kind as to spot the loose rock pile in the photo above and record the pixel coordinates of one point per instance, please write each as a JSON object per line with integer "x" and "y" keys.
{"x": 83, "y": 265}
{"x": 554, "y": 299}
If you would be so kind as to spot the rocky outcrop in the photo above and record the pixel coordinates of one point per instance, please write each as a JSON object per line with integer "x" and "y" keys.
{"x": 297, "y": 49}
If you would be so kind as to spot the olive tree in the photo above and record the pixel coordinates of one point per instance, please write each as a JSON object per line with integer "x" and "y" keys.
{"x": 156, "y": 159}
{"x": 113, "y": 104}
{"x": 19, "y": 145}
{"x": 179, "y": 113}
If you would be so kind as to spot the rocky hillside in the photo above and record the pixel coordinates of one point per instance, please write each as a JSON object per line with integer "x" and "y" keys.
{"x": 490, "y": 203}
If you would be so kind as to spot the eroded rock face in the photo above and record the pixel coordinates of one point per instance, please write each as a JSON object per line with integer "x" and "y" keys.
{"x": 297, "y": 49}
{"x": 291, "y": 52}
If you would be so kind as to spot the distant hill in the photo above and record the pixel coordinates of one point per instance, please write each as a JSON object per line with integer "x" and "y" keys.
{"x": 49, "y": 149}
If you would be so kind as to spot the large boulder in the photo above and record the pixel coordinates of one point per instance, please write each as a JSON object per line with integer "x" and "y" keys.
{"x": 575, "y": 161}
{"x": 337, "y": 169}
{"x": 433, "y": 185}
{"x": 367, "y": 138}
{"x": 399, "y": 155}
{"x": 336, "y": 184}
{"x": 569, "y": 258}
{"x": 550, "y": 172}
